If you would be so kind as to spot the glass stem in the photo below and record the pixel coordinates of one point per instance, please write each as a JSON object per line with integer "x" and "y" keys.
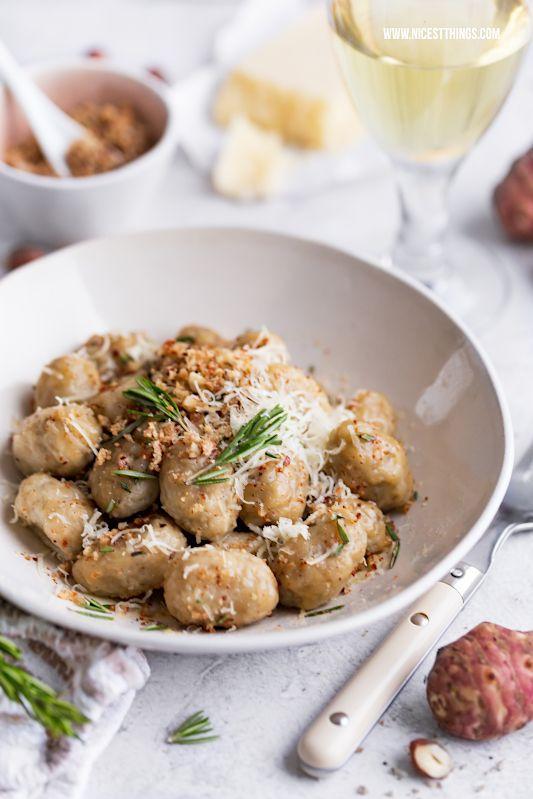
{"x": 421, "y": 240}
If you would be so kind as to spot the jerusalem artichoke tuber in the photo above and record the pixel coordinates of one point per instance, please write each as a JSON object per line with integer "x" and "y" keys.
{"x": 481, "y": 686}
{"x": 513, "y": 199}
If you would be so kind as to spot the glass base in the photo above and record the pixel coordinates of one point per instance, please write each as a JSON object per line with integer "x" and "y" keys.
{"x": 472, "y": 280}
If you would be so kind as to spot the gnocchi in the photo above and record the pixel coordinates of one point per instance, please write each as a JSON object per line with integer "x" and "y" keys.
{"x": 209, "y": 511}
{"x": 217, "y": 588}
{"x": 132, "y": 564}
{"x": 113, "y": 488}
{"x": 69, "y": 377}
{"x": 372, "y": 464}
{"x": 314, "y": 568}
{"x": 213, "y": 469}
{"x": 61, "y": 440}
{"x": 277, "y": 490}
{"x": 57, "y": 510}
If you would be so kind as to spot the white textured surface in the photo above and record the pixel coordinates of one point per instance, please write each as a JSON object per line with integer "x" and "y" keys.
{"x": 259, "y": 704}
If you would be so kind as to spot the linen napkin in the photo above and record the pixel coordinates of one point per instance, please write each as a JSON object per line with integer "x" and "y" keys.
{"x": 99, "y": 677}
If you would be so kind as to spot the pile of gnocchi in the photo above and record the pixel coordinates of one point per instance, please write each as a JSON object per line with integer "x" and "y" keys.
{"x": 212, "y": 470}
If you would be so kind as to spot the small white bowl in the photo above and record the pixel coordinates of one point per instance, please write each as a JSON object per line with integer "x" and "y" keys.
{"x": 56, "y": 211}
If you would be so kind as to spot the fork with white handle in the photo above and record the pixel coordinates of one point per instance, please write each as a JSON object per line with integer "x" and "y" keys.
{"x": 340, "y": 728}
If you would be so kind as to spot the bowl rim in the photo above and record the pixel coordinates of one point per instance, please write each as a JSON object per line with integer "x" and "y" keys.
{"x": 167, "y": 139}
{"x": 222, "y": 643}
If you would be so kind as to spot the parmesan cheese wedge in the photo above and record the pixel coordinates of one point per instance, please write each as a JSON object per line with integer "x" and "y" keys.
{"x": 292, "y": 86}
{"x": 251, "y": 164}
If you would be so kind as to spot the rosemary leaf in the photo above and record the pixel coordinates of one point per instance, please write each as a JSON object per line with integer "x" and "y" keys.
{"x": 391, "y": 531}
{"x": 94, "y": 606}
{"x": 38, "y": 700}
{"x": 128, "y": 429}
{"x": 7, "y": 647}
{"x": 322, "y": 612}
{"x": 395, "y": 551}
{"x": 134, "y": 474}
{"x": 344, "y": 538}
{"x": 194, "y": 730}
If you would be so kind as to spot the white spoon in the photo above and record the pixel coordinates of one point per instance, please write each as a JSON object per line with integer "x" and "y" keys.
{"x": 344, "y": 723}
{"x": 54, "y": 130}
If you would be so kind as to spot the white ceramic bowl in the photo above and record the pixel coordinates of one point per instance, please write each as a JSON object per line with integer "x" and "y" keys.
{"x": 358, "y": 324}
{"x": 57, "y": 211}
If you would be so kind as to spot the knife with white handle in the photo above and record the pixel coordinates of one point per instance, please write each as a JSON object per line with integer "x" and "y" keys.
{"x": 340, "y": 728}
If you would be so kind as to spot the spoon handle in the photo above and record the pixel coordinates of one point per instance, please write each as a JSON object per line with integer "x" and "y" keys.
{"x": 53, "y": 129}
{"x": 341, "y": 727}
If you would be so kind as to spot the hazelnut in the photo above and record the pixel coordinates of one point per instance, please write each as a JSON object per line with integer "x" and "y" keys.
{"x": 158, "y": 73}
{"x": 430, "y": 759}
{"x": 23, "y": 255}
{"x": 95, "y": 52}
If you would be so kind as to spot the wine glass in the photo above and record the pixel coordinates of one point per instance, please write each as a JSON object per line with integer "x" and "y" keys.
{"x": 427, "y": 78}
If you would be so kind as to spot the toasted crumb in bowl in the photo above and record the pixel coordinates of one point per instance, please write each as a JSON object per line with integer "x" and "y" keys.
{"x": 116, "y": 136}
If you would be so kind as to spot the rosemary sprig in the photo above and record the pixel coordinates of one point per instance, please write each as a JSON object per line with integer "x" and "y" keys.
{"x": 92, "y": 607}
{"x": 342, "y": 535}
{"x": 134, "y": 474}
{"x": 38, "y": 700}
{"x": 186, "y": 339}
{"x": 322, "y": 612}
{"x": 254, "y": 436}
{"x": 103, "y": 550}
{"x": 156, "y": 399}
{"x": 194, "y": 730}
{"x": 366, "y": 437}
{"x": 391, "y": 532}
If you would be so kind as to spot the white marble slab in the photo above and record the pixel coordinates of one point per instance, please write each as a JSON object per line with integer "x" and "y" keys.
{"x": 260, "y": 703}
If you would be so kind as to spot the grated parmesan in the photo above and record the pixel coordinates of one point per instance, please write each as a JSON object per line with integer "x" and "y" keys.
{"x": 304, "y": 434}
{"x": 93, "y": 528}
{"x": 82, "y": 432}
{"x": 284, "y": 531}
{"x": 324, "y": 556}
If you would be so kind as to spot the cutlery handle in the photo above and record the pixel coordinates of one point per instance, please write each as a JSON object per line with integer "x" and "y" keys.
{"x": 341, "y": 727}
{"x": 52, "y": 127}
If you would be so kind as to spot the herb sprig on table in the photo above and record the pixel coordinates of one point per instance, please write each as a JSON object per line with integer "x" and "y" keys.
{"x": 257, "y": 434}
{"x": 38, "y": 700}
{"x": 194, "y": 730}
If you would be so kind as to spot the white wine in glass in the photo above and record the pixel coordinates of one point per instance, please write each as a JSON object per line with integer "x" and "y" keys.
{"x": 427, "y": 78}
